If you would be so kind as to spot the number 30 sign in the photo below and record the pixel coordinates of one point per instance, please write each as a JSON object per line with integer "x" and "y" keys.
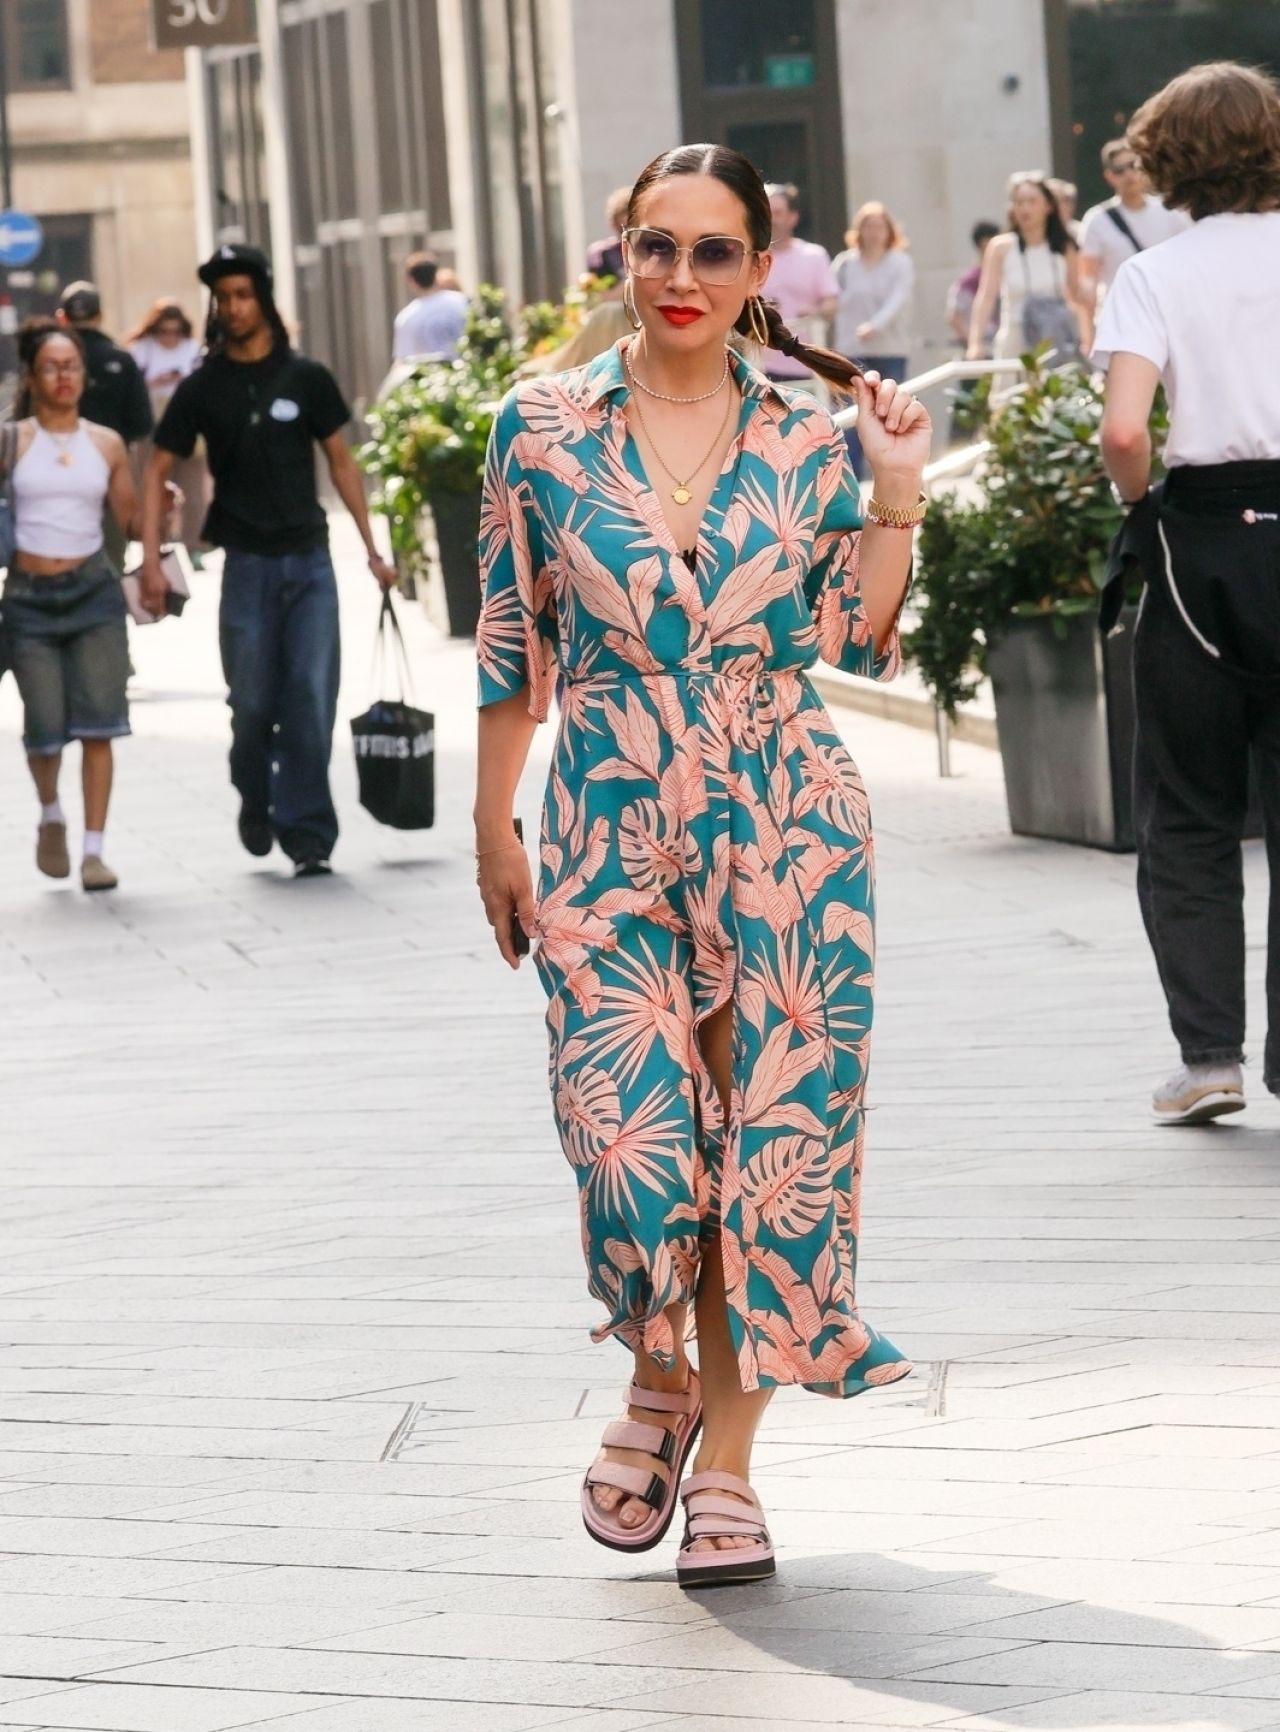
{"x": 202, "y": 23}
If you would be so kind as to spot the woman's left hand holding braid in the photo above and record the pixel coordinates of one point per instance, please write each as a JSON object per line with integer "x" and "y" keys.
{"x": 895, "y": 431}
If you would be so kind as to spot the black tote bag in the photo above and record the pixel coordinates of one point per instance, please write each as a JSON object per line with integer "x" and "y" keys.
{"x": 395, "y": 744}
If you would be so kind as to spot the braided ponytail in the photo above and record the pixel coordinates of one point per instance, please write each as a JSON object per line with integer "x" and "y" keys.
{"x": 836, "y": 369}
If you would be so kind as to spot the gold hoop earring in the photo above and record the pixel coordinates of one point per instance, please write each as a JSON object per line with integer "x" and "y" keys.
{"x": 759, "y": 323}
{"x": 629, "y": 305}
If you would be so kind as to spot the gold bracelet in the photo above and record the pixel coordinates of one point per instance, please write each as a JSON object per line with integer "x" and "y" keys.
{"x": 482, "y": 853}
{"x": 896, "y": 516}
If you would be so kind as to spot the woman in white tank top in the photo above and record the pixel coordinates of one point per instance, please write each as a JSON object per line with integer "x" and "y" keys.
{"x": 63, "y": 609}
{"x": 1037, "y": 259}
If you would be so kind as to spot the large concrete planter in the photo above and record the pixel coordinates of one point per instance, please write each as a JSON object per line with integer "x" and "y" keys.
{"x": 1064, "y": 713}
{"x": 457, "y": 524}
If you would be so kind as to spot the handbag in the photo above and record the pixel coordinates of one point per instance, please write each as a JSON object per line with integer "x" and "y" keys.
{"x": 395, "y": 743}
{"x": 1049, "y": 319}
{"x": 8, "y": 514}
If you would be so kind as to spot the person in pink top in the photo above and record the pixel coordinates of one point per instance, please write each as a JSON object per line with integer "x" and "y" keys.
{"x": 801, "y": 281}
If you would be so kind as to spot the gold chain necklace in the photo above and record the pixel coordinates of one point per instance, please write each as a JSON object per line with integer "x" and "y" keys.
{"x": 680, "y": 493}
{"x": 64, "y": 442}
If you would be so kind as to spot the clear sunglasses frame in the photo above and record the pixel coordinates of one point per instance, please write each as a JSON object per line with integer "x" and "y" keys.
{"x": 717, "y": 273}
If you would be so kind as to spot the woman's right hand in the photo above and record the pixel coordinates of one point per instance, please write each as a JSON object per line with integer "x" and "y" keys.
{"x": 506, "y": 889}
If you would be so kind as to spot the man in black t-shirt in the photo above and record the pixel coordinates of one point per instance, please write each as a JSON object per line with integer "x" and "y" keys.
{"x": 261, "y": 408}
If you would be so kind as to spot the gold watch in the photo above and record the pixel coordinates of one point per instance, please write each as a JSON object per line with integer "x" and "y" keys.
{"x": 896, "y": 516}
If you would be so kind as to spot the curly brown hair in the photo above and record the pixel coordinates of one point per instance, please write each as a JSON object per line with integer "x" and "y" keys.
{"x": 1210, "y": 140}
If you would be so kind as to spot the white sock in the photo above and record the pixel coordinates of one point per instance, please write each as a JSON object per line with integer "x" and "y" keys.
{"x": 93, "y": 844}
{"x": 52, "y": 814}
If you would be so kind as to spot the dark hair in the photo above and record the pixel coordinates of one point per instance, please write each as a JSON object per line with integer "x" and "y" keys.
{"x": 1056, "y": 232}
{"x": 1210, "y": 140}
{"x": 422, "y": 269}
{"x": 161, "y": 312}
{"x": 32, "y": 337}
{"x": 215, "y": 336}
{"x": 742, "y": 178}
{"x": 985, "y": 230}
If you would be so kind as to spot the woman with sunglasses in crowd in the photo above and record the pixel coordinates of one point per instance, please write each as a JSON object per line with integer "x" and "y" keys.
{"x": 165, "y": 347}
{"x": 63, "y": 608}
{"x": 677, "y": 539}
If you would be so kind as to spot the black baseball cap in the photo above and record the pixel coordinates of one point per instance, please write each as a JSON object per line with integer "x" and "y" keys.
{"x": 80, "y": 301}
{"x": 235, "y": 260}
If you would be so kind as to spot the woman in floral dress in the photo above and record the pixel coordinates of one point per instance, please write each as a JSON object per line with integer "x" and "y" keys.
{"x": 674, "y": 539}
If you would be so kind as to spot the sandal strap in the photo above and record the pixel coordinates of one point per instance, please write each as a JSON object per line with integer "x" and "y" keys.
{"x": 665, "y": 1401}
{"x": 713, "y": 1480}
{"x": 650, "y": 1488}
{"x": 723, "y": 1527}
{"x": 707, "y": 1504}
{"x": 655, "y": 1440}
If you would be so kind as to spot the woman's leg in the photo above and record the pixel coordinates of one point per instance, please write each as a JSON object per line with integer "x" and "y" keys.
{"x": 730, "y": 1415}
{"x": 96, "y": 776}
{"x": 629, "y": 1512}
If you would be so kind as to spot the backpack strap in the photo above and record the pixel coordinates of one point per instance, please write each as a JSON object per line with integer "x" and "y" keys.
{"x": 1118, "y": 217}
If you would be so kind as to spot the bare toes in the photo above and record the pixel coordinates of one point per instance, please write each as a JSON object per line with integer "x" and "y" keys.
{"x": 607, "y": 1498}
{"x": 633, "y": 1513}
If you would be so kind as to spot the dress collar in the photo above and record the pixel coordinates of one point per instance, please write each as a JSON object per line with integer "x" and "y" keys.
{"x": 606, "y": 376}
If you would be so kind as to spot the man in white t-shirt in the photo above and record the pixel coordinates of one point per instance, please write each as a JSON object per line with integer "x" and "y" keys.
{"x": 801, "y": 281}
{"x": 1120, "y": 227}
{"x": 434, "y": 320}
{"x": 1200, "y": 314}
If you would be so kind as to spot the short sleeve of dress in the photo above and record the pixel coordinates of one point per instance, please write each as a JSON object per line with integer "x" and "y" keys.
{"x": 517, "y": 627}
{"x": 833, "y": 586}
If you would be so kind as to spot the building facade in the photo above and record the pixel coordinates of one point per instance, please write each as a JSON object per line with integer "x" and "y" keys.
{"x": 101, "y": 151}
{"x": 493, "y": 130}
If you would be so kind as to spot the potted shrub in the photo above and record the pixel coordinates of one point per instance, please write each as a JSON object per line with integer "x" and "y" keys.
{"x": 428, "y": 438}
{"x": 1008, "y": 585}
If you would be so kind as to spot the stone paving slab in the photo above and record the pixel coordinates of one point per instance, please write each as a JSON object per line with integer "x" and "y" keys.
{"x": 295, "y": 1383}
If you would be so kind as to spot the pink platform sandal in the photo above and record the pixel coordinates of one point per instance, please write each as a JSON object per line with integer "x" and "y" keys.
{"x": 670, "y": 1447}
{"x": 709, "y": 1516}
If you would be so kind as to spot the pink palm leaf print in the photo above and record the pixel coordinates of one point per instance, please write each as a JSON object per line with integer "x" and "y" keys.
{"x": 833, "y": 787}
{"x": 641, "y": 1002}
{"x": 787, "y": 1184}
{"x": 644, "y": 1151}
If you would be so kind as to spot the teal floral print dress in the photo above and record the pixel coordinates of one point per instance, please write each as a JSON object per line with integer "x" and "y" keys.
{"x": 705, "y": 841}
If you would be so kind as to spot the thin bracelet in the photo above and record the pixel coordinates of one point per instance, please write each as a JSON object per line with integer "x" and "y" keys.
{"x": 482, "y": 853}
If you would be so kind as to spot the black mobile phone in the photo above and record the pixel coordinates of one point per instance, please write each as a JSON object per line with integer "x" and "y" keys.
{"x": 519, "y": 937}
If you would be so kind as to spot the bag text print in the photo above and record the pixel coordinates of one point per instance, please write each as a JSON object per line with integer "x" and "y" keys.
{"x": 394, "y": 745}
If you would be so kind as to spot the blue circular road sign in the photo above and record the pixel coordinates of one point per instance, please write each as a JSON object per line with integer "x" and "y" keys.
{"x": 21, "y": 238}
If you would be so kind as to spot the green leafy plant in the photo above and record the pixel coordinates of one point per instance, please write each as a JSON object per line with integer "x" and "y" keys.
{"x": 428, "y": 436}
{"x": 1033, "y": 541}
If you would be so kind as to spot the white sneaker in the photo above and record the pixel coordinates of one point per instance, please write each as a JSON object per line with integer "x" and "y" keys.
{"x": 1196, "y": 1093}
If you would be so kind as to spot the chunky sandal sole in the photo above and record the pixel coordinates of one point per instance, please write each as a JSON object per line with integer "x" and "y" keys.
{"x": 724, "y": 1575}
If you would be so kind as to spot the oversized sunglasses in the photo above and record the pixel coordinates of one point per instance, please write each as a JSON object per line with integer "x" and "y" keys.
{"x": 713, "y": 259}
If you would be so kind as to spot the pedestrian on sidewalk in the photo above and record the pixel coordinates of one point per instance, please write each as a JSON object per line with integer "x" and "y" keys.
{"x": 1031, "y": 272}
{"x": 804, "y": 285}
{"x": 683, "y": 537}
{"x": 165, "y": 346}
{"x": 1200, "y": 313}
{"x": 876, "y": 280}
{"x": 431, "y": 323}
{"x": 64, "y": 611}
{"x": 261, "y": 408}
{"x": 1130, "y": 222}
{"x": 115, "y": 393}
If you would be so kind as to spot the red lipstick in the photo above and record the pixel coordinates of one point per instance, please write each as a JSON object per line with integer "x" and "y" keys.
{"x": 681, "y": 315}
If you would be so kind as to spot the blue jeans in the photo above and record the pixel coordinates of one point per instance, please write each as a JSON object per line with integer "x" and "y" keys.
{"x": 278, "y": 631}
{"x": 889, "y": 367}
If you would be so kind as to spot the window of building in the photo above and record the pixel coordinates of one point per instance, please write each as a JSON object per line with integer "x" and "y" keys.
{"x": 36, "y": 44}
{"x": 771, "y": 42}
{"x": 1106, "y": 60}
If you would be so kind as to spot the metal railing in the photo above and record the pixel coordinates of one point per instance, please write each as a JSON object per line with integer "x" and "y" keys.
{"x": 950, "y": 467}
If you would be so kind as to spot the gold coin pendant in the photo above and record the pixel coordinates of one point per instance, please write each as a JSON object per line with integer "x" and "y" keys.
{"x": 682, "y": 496}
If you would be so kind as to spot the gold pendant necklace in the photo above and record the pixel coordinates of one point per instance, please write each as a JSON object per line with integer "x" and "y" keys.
{"x": 64, "y": 442}
{"x": 680, "y": 493}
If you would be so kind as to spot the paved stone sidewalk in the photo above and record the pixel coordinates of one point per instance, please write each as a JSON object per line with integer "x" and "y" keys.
{"x": 295, "y": 1384}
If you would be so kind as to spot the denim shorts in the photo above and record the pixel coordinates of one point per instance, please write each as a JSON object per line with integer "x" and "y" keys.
{"x": 68, "y": 647}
